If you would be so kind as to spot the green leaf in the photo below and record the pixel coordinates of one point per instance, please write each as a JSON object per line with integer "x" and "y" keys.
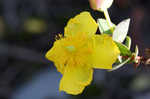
{"x": 121, "y": 31}
{"x": 120, "y": 65}
{"x": 104, "y": 27}
{"x": 128, "y": 42}
{"x": 124, "y": 51}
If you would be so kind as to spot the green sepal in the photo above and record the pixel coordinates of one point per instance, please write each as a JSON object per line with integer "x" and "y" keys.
{"x": 128, "y": 42}
{"x": 124, "y": 51}
{"x": 134, "y": 55}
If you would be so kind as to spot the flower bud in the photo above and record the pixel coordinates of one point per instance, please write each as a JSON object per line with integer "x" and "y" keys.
{"x": 100, "y": 5}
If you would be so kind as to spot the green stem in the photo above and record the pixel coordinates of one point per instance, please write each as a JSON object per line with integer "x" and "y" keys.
{"x": 108, "y": 19}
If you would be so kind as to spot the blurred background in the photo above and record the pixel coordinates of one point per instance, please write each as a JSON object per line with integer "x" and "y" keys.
{"x": 27, "y": 31}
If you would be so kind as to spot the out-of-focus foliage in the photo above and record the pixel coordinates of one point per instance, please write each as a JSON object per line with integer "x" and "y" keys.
{"x": 34, "y": 25}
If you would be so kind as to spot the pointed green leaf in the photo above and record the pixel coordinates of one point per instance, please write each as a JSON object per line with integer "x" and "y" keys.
{"x": 124, "y": 51}
{"x": 128, "y": 42}
{"x": 121, "y": 31}
{"x": 104, "y": 27}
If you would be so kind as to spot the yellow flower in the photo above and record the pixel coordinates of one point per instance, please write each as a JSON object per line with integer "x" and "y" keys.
{"x": 79, "y": 51}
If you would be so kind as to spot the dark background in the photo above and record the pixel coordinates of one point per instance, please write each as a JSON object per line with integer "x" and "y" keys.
{"x": 27, "y": 31}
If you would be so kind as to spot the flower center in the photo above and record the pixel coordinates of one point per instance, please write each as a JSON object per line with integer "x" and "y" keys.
{"x": 70, "y": 48}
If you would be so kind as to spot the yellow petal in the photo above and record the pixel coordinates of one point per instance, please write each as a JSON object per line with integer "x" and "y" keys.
{"x": 105, "y": 52}
{"x": 70, "y": 87}
{"x": 82, "y": 23}
{"x": 75, "y": 78}
{"x": 57, "y": 55}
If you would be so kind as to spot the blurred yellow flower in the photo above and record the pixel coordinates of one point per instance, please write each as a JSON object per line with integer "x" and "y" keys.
{"x": 79, "y": 51}
{"x": 100, "y": 5}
